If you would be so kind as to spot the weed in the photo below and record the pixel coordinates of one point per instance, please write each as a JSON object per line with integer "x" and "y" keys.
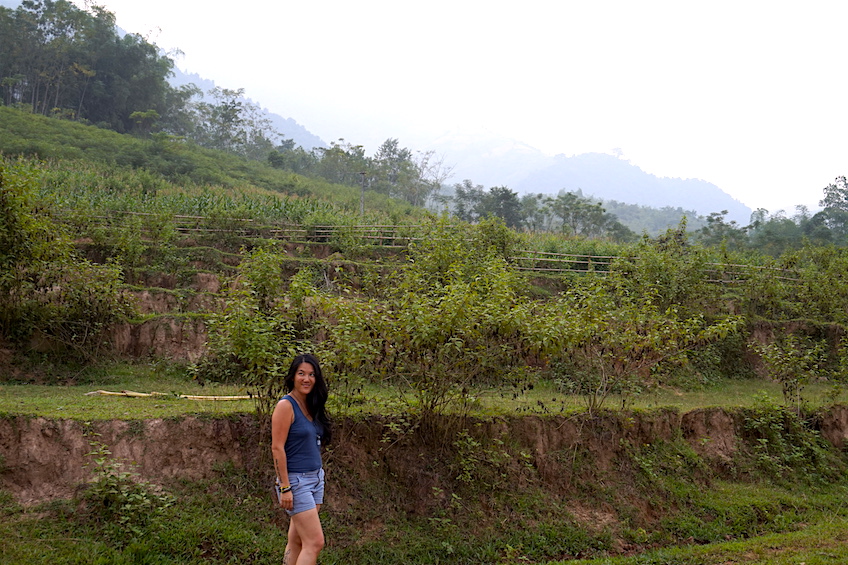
{"x": 124, "y": 507}
{"x": 479, "y": 464}
{"x": 784, "y": 446}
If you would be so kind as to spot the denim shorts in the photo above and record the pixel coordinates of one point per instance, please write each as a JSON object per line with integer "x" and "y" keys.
{"x": 307, "y": 490}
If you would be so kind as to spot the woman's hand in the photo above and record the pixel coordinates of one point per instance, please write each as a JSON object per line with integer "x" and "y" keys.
{"x": 286, "y": 501}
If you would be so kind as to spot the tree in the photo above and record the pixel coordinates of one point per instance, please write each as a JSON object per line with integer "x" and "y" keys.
{"x": 400, "y": 173}
{"x": 828, "y": 226}
{"x": 792, "y": 361}
{"x": 503, "y": 203}
{"x": 583, "y": 217}
{"x": 669, "y": 270}
{"x": 777, "y": 234}
{"x": 535, "y": 215}
{"x": 145, "y": 120}
{"x": 836, "y": 195}
{"x": 179, "y": 118}
{"x": 392, "y": 168}
{"x": 834, "y": 216}
{"x": 292, "y": 158}
{"x": 718, "y": 231}
{"x": 433, "y": 172}
{"x": 64, "y": 61}
{"x": 43, "y": 285}
{"x": 342, "y": 163}
{"x": 450, "y": 320}
{"x": 602, "y": 342}
{"x": 468, "y": 199}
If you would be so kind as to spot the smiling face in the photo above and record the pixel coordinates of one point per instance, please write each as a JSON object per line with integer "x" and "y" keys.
{"x": 304, "y": 379}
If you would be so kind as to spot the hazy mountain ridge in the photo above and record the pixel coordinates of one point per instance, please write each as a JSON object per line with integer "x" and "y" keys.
{"x": 611, "y": 178}
{"x": 489, "y": 160}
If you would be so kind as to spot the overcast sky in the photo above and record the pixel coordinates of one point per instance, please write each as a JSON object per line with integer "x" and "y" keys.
{"x": 748, "y": 95}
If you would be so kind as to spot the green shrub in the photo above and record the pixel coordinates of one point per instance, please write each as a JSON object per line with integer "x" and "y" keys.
{"x": 120, "y": 505}
{"x": 782, "y": 446}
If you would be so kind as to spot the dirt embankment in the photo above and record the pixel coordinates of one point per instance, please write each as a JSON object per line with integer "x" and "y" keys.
{"x": 42, "y": 459}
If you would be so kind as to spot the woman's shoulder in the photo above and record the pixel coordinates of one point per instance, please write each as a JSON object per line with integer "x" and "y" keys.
{"x": 285, "y": 403}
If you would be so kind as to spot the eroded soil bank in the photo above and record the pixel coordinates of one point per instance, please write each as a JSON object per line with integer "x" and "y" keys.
{"x": 41, "y": 459}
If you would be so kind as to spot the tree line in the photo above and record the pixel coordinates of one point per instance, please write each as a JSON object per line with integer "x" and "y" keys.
{"x": 63, "y": 61}
{"x": 776, "y": 233}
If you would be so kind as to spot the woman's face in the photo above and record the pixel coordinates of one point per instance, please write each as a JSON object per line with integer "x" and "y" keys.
{"x": 304, "y": 379}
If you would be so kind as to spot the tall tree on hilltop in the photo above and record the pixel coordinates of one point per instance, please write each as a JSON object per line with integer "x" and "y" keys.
{"x": 392, "y": 169}
{"x": 468, "y": 200}
{"x": 231, "y": 123}
{"x": 342, "y": 163}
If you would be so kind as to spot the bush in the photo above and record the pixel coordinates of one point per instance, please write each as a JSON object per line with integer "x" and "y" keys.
{"x": 116, "y": 502}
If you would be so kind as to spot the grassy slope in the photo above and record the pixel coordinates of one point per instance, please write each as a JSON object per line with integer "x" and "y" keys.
{"x": 493, "y": 518}
{"x": 229, "y": 520}
{"x": 33, "y": 135}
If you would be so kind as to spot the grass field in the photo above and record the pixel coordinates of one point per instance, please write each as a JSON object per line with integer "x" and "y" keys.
{"x": 822, "y": 543}
{"x": 72, "y": 401}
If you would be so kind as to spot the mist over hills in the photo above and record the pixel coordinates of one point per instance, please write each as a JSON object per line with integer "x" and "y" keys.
{"x": 611, "y": 178}
{"x": 489, "y": 160}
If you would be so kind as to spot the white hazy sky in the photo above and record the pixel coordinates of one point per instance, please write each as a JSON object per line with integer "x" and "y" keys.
{"x": 748, "y": 95}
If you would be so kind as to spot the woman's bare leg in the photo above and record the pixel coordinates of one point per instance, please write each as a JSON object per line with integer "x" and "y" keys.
{"x": 306, "y": 539}
{"x": 293, "y": 545}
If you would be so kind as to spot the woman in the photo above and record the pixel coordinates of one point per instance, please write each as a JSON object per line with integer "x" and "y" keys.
{"x": 299, "y": 427}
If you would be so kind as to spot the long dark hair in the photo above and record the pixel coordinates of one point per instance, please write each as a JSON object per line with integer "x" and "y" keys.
{"x": 317, "y": 397}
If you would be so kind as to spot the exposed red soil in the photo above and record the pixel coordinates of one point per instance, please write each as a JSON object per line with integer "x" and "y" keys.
{"x": 43, "y": 458}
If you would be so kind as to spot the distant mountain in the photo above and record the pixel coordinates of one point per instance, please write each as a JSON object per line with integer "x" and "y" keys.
{"x": 611, "y": 178}
{"x": 287, "y": 127}
{"x": 486, "y": 159}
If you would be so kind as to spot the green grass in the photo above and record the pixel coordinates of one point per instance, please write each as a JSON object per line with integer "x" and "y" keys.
{"x": 225, "y": 521}
{"x": 230, "y": 520}
{"x": 73, "y": 402}
{"x": 824, "y": 542}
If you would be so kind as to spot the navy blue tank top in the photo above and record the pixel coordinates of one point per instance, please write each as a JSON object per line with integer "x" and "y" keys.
{"x": 303, "y": 444}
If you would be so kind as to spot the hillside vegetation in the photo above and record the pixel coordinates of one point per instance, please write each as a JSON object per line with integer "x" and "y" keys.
{"x": 415, "y": 331}
{"x": 154, "y": 250}
{"x": 438, "y": 304}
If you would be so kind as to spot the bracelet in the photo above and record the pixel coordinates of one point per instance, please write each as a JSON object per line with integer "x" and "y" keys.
{"x": 285, "y": 489}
